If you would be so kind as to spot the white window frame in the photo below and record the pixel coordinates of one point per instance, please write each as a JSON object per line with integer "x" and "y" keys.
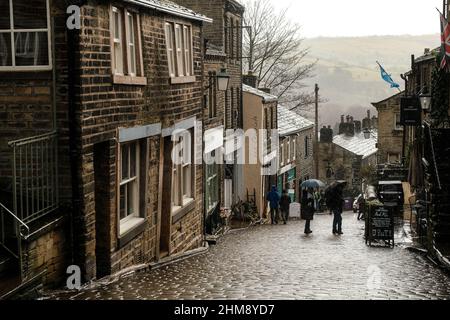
{"x": 282, "y": 153}
{"x": 170, "y": 39}
{"x": 117, "y": 41}
{"x": 129, "y": 221}
{"x": 12, "y": 30}
{"x": 179, "y": 47}
{"x": 210, "y": 181}
{"x": 293, "y": 148}
{"x": 182, "y": 188}
{"x": 130, "y": 44}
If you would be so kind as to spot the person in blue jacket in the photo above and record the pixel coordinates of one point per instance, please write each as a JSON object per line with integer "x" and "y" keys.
{"x": 274, "y": 201}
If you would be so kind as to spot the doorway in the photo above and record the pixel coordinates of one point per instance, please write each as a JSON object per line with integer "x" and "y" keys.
{"x": 166, "y": 194}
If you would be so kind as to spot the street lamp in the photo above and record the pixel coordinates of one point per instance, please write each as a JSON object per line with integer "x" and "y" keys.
{"x": 425, "y": 102}
{"x": 223, "y": 79}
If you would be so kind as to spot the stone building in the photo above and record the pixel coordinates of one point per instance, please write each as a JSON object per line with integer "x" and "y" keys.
{"x": 295, "y": 151}
{"x": 223, "y": 110}
{"x": 390, "y": 131}
{"x": 87, "y": 130}
{"x": 427, "y": 159}
{"x": 344, "y": 155}
{"x": 260, "y": 113}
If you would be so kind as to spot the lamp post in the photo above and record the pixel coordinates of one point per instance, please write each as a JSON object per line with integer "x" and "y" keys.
{"x": 425, "y": 102}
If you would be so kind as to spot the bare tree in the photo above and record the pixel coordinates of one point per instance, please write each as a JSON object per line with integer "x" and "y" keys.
{"x": 273, "y": 46}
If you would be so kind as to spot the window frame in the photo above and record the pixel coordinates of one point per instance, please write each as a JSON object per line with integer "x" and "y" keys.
{"x": 293, "y": 148}
{"x": 131, "y": 221}
{"x": 397, "y": 126}
{"x": 306, "y": 141}
{"x": 11, "y": 31}
{"x": 127, "y": 76}
{"x": 210, "y": 180}
{"x": 184, "y": 71}
{"x": 182, "y": 197}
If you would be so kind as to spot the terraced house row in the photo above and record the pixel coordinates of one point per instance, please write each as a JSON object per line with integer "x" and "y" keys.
{"x": 88, "y": 120}
{"x": 96, "y": 98}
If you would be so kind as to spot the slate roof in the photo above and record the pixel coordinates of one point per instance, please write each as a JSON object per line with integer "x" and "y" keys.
{"x": 290, "y": 122}
{"x": 358, "y": 144}
{"x": 266, "y": 96}
{"x": 171, "y": 8}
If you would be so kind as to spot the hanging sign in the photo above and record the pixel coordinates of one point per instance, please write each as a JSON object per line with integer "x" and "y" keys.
{"x": 410, "y": 111}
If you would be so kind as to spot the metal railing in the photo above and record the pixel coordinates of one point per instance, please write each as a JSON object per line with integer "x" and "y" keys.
{"x": 11, "y": 234}
{"x": 35, "y": 176}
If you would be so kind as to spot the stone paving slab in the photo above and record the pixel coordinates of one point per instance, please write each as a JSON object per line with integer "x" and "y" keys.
{"x": 280, "y": 262}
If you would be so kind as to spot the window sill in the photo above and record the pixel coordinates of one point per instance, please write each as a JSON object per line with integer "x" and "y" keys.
{"x": 130, "y": 224}
{"x": 135, "y": 81}
{"x": 181, "y": 80}
{"x": 180, "y": 212}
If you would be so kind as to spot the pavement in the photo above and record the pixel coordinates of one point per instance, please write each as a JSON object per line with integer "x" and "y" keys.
{"x": 280, "y": 262}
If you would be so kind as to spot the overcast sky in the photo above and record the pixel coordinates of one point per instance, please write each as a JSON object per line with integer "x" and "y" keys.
{"x": 341, "y": 18}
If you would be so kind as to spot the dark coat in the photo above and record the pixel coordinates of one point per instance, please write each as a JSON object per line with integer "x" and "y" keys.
{"x": 285, "y": 201}
{"x": 307, "y": 210}
{"x": 274, "y": 198}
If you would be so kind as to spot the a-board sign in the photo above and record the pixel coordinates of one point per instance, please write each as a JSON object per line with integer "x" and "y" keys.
{"x": 381, "y": 224}
{"x": 294, "y": 210}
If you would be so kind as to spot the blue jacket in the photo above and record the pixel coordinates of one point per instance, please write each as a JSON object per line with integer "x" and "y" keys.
{"x": 274, "y": 198}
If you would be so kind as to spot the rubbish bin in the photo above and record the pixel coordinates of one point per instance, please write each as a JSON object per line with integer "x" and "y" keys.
{"x": 348, "y": 204}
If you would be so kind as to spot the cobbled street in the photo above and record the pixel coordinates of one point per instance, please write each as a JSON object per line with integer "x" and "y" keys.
{"x": 280, "y": 262}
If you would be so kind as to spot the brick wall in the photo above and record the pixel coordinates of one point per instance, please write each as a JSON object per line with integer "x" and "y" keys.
{"x": 27, "y": 109}
{"x": 105, "y": 106}
{"x": 304, "y": 164}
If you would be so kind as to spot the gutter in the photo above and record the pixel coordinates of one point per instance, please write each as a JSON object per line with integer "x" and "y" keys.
{"x": 169, "y": 10}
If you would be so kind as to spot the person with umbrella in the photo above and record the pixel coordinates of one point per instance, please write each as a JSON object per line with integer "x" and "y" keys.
{"x": 335, "y": 202}
{"x": 307, "y": 212}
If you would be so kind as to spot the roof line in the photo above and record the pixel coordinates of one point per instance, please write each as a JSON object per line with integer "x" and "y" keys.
{"x": 390, "y": 97}
{"x": 297, "y": 131}
{"x": 170, "y": 11}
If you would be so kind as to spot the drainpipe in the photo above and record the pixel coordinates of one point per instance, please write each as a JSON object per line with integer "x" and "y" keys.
{"x": 202, "y": 42}
{"x": 72, "y": 42}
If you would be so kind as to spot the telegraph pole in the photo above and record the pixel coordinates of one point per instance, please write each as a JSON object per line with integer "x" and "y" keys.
{"x": 316, "y": 133}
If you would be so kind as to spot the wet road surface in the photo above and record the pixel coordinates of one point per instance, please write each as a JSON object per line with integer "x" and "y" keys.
{"x": 280, "y": 262}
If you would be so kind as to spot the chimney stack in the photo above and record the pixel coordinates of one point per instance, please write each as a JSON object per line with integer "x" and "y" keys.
{"x": 250, "y": 79}
{"x": 326, "y": 135}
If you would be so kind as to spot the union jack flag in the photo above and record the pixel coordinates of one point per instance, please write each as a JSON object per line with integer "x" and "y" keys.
{"x": 445, "y": 41}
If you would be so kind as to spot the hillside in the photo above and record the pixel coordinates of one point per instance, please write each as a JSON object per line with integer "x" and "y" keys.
{"x": 348, "y": 75}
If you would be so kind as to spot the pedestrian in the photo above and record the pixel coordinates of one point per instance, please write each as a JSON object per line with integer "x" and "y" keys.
{"x": 274, "y": 201}
{"x": 307, "y": 209}
{"x": 316, "y": 200}
{"x": 360, "y": 200}
{"x": 285, "y": 201}
{"x": 335, "y": 204}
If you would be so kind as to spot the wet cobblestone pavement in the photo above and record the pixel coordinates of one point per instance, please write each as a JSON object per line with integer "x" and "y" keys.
{"x": 280, "y": 262}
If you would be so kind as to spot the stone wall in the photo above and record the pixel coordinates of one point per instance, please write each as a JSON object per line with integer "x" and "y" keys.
{"x": 104, "y": 106}
{"x": 390, "y": 138}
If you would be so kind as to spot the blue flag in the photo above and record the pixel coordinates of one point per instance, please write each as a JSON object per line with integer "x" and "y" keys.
{"x": 387, "y": 77}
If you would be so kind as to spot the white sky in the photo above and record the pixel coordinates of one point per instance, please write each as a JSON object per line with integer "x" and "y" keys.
{"x": 342, "y": 18}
